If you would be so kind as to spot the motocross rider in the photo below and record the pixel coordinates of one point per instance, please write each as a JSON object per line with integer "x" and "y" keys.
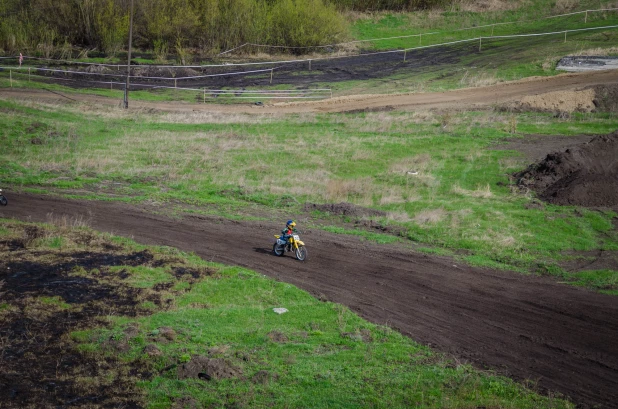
{"x": 290, "y": 228}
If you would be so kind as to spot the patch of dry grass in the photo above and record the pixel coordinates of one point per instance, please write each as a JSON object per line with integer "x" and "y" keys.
{"x": 401, "y": 217}
{"x": 602, "y": 52}
{"x": 550, "y": 62}
{"x": 478, "y": 6}
{"x": 430, "y": 216}
{"x": 396, "y": 195}
{"x": 200, "y": 117}
{"x": 144, "y": 114}
{"x": 497, "y": 239}
{"x": 416, "y": 164}
{"x": 66, "y": 222}
{"x": 564, "y": 6}
{"x": 354, "y": 190}
{"x": 475, "y": 80}
{"x": 483, "y": 192}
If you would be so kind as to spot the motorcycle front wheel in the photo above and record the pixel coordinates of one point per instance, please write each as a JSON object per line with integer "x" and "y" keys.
{"x": 3, "y": 201}
{"x": 301, "y": 253}
{"x": 278, "y": 250}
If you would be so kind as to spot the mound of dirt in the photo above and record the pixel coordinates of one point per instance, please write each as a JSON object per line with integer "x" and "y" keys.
{"x": 606, "y": 98}
{"x": 344, "y": 209}
{"x": 563, "y": 101}
{"x": 585, "y": 175}
{"x": 201, "y": 367}
{"x": 599, "y": 98}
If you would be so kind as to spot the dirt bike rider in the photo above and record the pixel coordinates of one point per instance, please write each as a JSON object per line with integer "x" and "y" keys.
{"x": 290, "y": 228}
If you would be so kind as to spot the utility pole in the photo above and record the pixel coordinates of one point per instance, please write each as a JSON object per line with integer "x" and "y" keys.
{"x": 126, "y": 87}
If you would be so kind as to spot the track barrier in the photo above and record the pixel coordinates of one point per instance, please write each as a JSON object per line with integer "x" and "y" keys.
{"x": 288, "y": 94}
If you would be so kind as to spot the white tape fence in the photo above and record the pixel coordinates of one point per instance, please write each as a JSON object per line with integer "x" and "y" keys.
{"x": 322, "y": 93}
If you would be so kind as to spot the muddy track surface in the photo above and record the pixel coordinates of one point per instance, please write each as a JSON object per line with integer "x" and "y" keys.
{"x": 561, "y": 338}
{"x": 459, "y": 99}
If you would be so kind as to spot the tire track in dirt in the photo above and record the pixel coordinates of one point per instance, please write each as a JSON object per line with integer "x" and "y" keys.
{"x": 561, "y": 338}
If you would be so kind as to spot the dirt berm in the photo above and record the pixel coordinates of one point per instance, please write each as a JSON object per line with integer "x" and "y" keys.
{"x": 585, "y": 175}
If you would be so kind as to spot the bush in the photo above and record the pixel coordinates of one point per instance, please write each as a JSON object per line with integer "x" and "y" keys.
{"x": 210, "y": 26}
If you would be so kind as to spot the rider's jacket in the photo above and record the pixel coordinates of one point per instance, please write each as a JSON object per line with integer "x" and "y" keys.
{"x": 286, "y": 233}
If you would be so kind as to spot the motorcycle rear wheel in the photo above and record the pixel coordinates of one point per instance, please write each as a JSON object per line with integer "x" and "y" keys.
{"x": 301, "y": 253}
{"x": 3, "y": 201}
{"x": 278, "y": 250}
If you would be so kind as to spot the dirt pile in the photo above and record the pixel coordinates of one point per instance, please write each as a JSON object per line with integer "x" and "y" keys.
{"x": 585, "y": 175}
{"x": 606, "y": 98}
{"x": 598, "y": 98}
{"x": 563, "y": 101}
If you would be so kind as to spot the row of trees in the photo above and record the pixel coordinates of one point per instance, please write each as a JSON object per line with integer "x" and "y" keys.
{"x": 175, "y": 26}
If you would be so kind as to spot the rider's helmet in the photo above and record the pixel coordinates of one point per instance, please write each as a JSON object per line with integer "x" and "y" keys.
{"x": 290, "y": 224}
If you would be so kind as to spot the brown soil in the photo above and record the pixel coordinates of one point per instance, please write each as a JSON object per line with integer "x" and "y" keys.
{"x": 598, "y": 98}
{"x": 561, "y": 101}
{"x": 561, "y": 338}
{"x": 468, "y": 98}
{"x": 583, "y": 175}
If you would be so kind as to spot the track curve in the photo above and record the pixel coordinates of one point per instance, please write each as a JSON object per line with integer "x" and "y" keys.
{"x": 456, "y": 99}
{"x": 562, "y": 338}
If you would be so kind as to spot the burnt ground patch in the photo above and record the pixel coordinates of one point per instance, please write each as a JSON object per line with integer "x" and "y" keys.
{"x": 45, "y": 296}
{"x": 365, "y": 66}
{"x": 368, "y": 65}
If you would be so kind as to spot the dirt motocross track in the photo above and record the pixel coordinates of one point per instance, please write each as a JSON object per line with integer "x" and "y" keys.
{"x": 563, "y": 339}
{"x": 466, "y": 98}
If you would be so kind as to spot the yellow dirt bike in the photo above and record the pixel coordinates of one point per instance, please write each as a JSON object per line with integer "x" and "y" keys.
{"x": 293, "y": 244}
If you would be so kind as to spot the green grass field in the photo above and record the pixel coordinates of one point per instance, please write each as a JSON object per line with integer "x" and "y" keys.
{"x": 460, "y": 199}
{"x": 316, "y": 355}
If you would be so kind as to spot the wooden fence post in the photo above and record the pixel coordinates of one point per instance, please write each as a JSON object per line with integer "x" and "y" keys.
{"x": 271, "y": 75}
